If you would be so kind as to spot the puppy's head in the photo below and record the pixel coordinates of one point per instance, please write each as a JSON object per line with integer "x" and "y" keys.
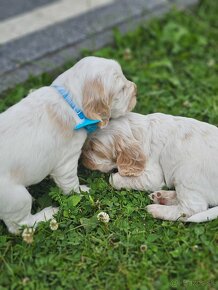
{"x": 114, "y": 148}
{"x": 105, "y": 90}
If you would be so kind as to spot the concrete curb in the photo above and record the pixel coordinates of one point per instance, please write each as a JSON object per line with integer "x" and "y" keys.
{"x": 48, "y": 49}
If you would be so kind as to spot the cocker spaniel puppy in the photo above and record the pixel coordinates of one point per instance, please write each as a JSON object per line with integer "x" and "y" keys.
{"x": 156, "y": 150}
{"x": 38, "y": 136}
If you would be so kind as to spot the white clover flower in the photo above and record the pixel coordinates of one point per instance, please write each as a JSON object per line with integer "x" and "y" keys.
{"x": 27, "y": 235}
{"x": 53, "y": 225}
{"x": 25, "y": 280}
{"x": 143, "y": 248}
{"x": 103, "y": 217}
{"x": 211, "y": 62}
{"x": 127, "y": 55}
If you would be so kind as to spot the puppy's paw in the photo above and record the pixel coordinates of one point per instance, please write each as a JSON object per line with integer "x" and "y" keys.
{"x": 49, "y": 212}
{"x": 44, "y": 215}
{"x": 84, "y": 188}
{"x": 163, "y": 197}
{"x": 157, "y": 197}
{"x": 113, "y": 180}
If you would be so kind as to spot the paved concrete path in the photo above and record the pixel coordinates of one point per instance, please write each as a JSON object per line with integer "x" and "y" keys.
{"x": 40, "y": 35}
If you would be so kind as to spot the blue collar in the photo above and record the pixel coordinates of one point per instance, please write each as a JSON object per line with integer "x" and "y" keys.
{"x": 89, "y": 125}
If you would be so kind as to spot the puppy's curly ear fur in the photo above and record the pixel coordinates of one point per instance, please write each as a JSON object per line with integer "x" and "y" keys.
{"x": 96, "y": 101}
{"x": 130, "y": 158}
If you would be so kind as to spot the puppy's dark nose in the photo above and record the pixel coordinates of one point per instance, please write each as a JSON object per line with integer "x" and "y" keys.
{"x": 114, "y": 170}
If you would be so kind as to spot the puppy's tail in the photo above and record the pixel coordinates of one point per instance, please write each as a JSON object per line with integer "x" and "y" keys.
{"x": 204, "y": 216}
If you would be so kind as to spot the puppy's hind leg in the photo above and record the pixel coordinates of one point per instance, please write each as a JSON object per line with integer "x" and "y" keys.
{"x": 188, "y": 203}
{"x": 164, "y": 197}
{"x": 15, "y": 208}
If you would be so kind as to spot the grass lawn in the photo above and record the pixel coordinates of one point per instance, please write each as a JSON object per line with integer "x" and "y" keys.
{"x": 174, "y": 62}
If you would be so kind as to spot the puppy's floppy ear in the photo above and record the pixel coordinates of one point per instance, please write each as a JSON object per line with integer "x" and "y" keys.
{"x": 96, "y": 101}
{"x": 130, "y": 157}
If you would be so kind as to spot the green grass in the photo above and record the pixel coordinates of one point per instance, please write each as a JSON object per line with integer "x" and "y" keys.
{"x": 174, "y": 62}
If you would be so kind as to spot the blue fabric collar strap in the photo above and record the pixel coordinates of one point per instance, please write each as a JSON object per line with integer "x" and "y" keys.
{"x": 89, "y": 125}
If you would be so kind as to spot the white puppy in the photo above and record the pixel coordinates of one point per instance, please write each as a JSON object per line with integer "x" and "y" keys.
{"x": 38, "y": 136}
{"x": 156, "y": 150}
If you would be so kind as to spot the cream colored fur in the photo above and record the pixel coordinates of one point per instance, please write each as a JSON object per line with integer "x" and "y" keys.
{"x": 38, "y": 137}
{"x": 178, "y": 152}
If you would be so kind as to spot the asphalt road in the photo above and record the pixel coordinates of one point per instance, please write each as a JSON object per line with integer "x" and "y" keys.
{"x": 40, "y": 35}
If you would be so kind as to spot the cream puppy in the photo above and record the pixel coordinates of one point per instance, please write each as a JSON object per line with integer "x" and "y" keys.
{"x": 38, "y": 137}
{"x": 156, "y": 150}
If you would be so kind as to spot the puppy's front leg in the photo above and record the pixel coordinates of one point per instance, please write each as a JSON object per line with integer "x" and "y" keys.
{"x": 151, "y": 179}
{"x": 66, "y": 178}
{"x": 117, "y": 181}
